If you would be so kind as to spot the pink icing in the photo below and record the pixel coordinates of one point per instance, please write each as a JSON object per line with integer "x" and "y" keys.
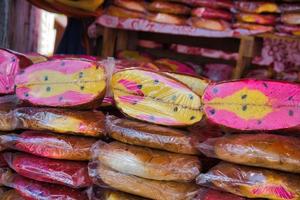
{"x": 283, "y": 97}
{"x": 131, "y": 99}
{"x": 9, "y": 67}
{"x": 132, "y": 86}
{"x": 279, "y": 191}
{"x": 69, "y": 98}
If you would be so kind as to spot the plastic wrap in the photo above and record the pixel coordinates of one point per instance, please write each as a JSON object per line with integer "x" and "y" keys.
{"x": 166, "y": 18}
{"x": 78, "y": 9}
{"x": 168, "y": 7}
{"x": 210, "y": 13}
{"x": 88, "y": 123}
{"x": 57, "y": 83}
{"x": 124, "y": 13}
{"x": 174, "y": 66}
{"x": 139, "y": 6}
{"x": 11, "y": 195}
{"x": 35, "y": 190}
{"x": 290, "y": 7}
{"x": 266, "y": 19}
{"x": 210, "y": 24}
{"x": 155, "y": 98}
{"x": 210, "y": 194}
{"x": 134, "y": 56}
{"x": 10, "y": 66}
{"x": 252, "y": 182}
{"x": 262, "y": 150}
{"x": 69, "y": 173}
{"x": 153, "y": 189}
{"x": 222, "y": 4}
{"x": 257, "y": 7}
{"x": 97, "y": 193}
{"x": 147, "y": 163}
{"x": 50, "y": 145}
{"x": 253, "y": 27}
{"x": 196, "y": 83}
{"x": 253, "y": 104}
{"x": 290, "y": 18}
{"x": 7, "y": 120}
{"x": 293, "y": 30}
{"x": 154, "y": 136}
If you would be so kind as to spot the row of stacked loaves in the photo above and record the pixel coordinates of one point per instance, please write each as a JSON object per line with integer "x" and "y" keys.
{"x": 218, "y": 15}
{"x": 141, "y": 158}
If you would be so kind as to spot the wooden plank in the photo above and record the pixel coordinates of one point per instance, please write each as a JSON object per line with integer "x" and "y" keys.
{"x": 122, "y": 40}
{"x": 109, "y": 42}
{"x": 161, "y": 53}
{"x": 247, "y": 52}
{"x": 225, "y": 44}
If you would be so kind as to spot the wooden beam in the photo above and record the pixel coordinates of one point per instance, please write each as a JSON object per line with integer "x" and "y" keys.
{"x": 109, "y": 42}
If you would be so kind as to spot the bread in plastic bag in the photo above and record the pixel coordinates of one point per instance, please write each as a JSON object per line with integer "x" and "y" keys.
{"x": 153, "y": 136}
{"x": 261, "y": 150}
{"x": 257, "y": 7}
{"x": 211, "y": 13}
{"x": 35, "y": 190}
{"x": 211, "y": 194}
{"x": 11, "y": 195}
{"x": 253, "y": 104}
{"x": 152, "y": 189}
{"x": 166, "y": 64}
{"x": 69, "y": 173}
{"x": 147, "y": 163}
{"x": 252, "y": 182}
{"x": 87, "y": 123}
{"x": 257, "y": 18}
{"x": 62, "y": 83}
{"x": 156, "y": 98}
{"x": 8, "y": 103}
{"x": 98, "y": 193}
{"x": 50, "y": 145}
{"x": 168, "y": 7}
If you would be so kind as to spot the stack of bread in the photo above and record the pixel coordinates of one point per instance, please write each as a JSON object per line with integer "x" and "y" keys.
{"x": 128, "y": 9}
{"x": 290, "y": 19}
{"x": 256, "y": 15}
{"x": 212, "y": 15}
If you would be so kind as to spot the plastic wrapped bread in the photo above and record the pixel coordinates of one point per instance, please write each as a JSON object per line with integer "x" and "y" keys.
{"x": 154, "y": 136}
{"x": 50, "y": 145}
{"x": 156, "y": 98}
{"x": 147, "y": 163}
{"x": 35, "y": 190}
{"x": 262, "y": 150}
{"x": 253, "y": 104}
{"x": 168, "y": 7}
{"x": 88, "y": 123}
{"x": 62, "y": 83}
{"x": 210, "y": 24}
{"x": 174, "y": 66}
{"x": 252, "y": 182}
{"x": 98, "y": 193}
{"x": 166, "y": 18}
{"x": 290, "y": 18}
{"x": 266, "y": 19}
{"x": 289, "y": 29}
{"x": 69, "y": 173}
{"x": 253, "y": 27}
{"x": 135, "y": 5}
{"x": 257, "y": 7}
{"x": 124, "y": 13}
{"x": 210, "y": 13}
{"x": 152, "y": 189}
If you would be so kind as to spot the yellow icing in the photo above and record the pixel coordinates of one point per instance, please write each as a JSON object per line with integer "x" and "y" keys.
{"x": 160, "y": 100}
{"x": 256, "y": 104}
{"x": 47, "y": 83}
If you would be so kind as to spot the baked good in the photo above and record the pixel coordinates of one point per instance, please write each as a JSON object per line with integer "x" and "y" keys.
{"x": 211, "y": 13}
{"x": 88, "y": 123}
{"x": 290, "y": 18}
{"x": 174, "y": 66}
{"x": 252, "y": 182}
{"x": 293, "y": 30}
{"x": 253, "y": 104}
{"x": 219, "y": 4}
{"x": 152, "y": 189}
{"x": 57, "y": 83}
{"x": 253, "y": 27}
{"x": 124, "y": 13}
{"x": 154, "y": 136}
{"x": 138, "y": 93}
{"x": 68, "y": 173}
{"x": 134, "y": 56}
{"x": 166, "y": 18}
{"x": 257, "y": 7}
{"x": 134, "y": 5}
{"x": 51, "y": 145}
{"x": 168, "y": 7}
{"x": 264, "y": 19}
{"x": 210, "y": 24}
{"x": 261, "y": 150}
{"x": 148, "y": 163}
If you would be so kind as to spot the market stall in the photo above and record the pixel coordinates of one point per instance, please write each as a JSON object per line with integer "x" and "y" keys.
{"x": 155, "y": 113}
